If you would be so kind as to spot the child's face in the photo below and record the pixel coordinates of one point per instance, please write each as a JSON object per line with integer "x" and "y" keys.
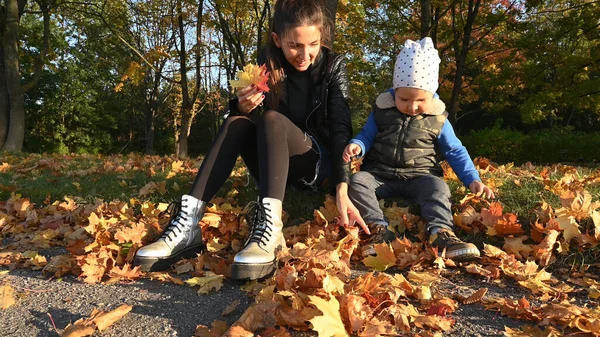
{"x": 300, "y": 46}
{"x": 412, "y": 101}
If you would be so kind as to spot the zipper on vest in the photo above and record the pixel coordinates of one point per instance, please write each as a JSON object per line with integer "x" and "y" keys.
{"x": 402, "y": 136}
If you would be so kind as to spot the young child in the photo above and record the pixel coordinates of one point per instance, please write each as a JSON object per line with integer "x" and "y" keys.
{"x": 400, "y": 142}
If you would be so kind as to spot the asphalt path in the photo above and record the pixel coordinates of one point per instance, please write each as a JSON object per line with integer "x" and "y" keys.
{"x": 46, "y": 306}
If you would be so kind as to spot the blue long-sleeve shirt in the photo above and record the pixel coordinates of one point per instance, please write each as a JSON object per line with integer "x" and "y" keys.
{"x": 450, "y": 146}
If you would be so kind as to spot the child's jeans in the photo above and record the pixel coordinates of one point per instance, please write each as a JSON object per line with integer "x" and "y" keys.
{"x": 431, "y": 193}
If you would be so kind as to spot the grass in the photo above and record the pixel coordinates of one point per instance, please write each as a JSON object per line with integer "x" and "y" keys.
{"x": 86, "y": 178}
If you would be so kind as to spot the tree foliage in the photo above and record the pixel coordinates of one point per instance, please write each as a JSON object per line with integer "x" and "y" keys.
{"x": 109, "y": 76}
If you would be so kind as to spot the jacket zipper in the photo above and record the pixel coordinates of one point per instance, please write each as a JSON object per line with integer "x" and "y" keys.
{"x": 402, "y": 136}
{"x": 307, "y": 118}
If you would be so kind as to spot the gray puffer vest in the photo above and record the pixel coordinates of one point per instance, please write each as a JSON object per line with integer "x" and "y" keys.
{"x": 405, "y": 146}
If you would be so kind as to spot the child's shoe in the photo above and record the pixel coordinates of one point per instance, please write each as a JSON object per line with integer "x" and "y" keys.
{"x": 379, "y": 234}
{"x": 456, "y": 249}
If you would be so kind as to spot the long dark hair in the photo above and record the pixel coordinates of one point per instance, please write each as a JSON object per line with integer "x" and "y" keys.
{"x": 289, "y": 14}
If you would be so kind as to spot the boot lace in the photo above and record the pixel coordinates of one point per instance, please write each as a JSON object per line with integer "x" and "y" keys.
{"x": 177, "y": 223}
{"x": 261, "y": 222}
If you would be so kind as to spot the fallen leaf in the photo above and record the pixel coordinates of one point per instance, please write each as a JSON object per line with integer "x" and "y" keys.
{"x": 7, "y": 296}
{"x": 330, "y": 323}
{"x": 107, "y": 319}
{"x": 476, "y": 296}
{"x": 384, "y": 259}
{"x": 207, "y": 283}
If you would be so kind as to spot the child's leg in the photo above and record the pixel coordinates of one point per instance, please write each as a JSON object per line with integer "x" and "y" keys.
{"x": 364, "y": 191}
{"x": 432, "y": 194}
{"x": 363, "y": 194}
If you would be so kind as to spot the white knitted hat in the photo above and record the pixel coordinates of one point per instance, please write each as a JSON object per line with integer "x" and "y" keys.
{"x": 417, "y": 66}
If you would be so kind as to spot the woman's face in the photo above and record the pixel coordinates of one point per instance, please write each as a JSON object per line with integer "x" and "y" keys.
{"x": 300, "y": 46}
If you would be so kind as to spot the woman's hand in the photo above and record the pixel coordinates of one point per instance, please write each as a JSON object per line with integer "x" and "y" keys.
{"x": 249, "y": 98}
{"x": 479, "y": 188}
{"x": 348, "y": 211}
{"x": 351, "y": 150}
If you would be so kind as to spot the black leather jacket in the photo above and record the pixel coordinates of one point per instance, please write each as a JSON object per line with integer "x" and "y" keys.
{"x": 329, "y": 119}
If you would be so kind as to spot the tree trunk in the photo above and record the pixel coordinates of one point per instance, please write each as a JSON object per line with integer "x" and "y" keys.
{"x": 426, "y": 18}
{"x": 4, "y": 106}
{"x": 461, "y": 56}
{"x": 150, "y": 129}
{"x": 16, "y": 99}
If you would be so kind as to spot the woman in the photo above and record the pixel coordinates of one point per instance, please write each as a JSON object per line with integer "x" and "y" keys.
{"x": 296, "y": 133}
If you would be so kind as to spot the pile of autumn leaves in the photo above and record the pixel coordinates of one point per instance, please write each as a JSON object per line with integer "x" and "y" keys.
{"x": 314, "y": 287}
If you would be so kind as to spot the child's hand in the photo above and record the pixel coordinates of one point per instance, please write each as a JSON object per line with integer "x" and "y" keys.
{"x": 479, "y": 188}
{"x": 249, "y": 98}
{"x": 351, "y": 150}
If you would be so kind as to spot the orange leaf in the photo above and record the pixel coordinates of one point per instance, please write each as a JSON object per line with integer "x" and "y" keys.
{"x": 127, "y": 272}
{"x": 476, "y": 296}
{"x": 104, "y": 320}
{"x": 219, "y": 328}
{"x": 489, "y": 217}
{"x": 80, "y": 328}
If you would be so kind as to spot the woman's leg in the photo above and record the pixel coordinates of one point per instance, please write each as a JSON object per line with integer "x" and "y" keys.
{"x": 183, "y": 237}
{"x": 285, "y": 152}
{"x": 236, "y": 136}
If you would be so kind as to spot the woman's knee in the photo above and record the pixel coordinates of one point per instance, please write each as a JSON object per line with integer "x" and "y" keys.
{"x": 237, "y": 124}
{"x": 270, "y": 119}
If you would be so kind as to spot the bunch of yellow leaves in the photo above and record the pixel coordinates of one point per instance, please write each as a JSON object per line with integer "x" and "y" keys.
{"x": 252, "y": 74}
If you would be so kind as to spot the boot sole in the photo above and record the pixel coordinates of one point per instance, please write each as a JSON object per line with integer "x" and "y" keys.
{"x": 150, "y": 264}
{"x": 463, "y": 256}
{"x": 254, "y": 271}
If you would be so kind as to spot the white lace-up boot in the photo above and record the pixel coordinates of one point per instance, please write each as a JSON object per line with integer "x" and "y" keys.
{"x": 257, "y": 259}
{"x": 181, "y": 239}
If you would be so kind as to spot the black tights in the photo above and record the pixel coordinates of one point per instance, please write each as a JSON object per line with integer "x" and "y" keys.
{"x": 274, "y": 149}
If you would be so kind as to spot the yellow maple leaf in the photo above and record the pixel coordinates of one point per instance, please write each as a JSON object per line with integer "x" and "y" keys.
{"x": 543, "y": 251}
{"x": 5, "y": 167}
{"x": 127, "y": 272}
{"x": 207, "y": 283}
{"x": 375, "y": 327}
{"x": 595, "y": 215}
{"x": 252, "y": 74}
{"x": 569, "y": 226}
{"x": 329, "y": 209}
{"x": 577, "y": 204}
{"x": 330, "y": 324}
{"x": 7, "y": 296}
{"x": 384, "y": 259}
{"x": 213, "y": 245}
{"x": 516, "y": 246}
